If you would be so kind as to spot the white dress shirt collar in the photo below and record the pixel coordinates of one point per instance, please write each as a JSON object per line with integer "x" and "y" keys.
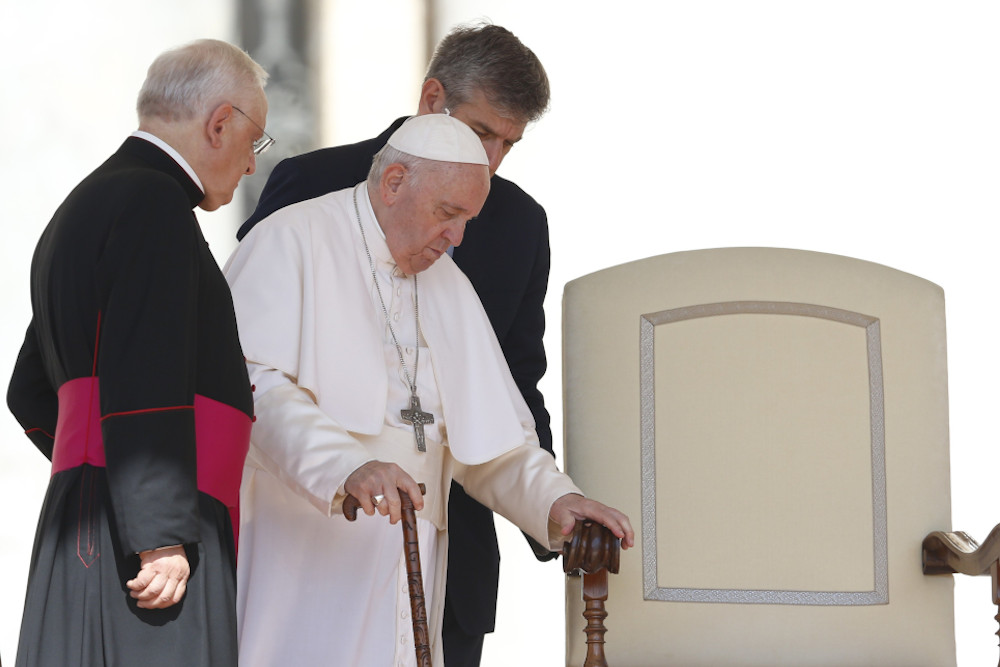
{"x": 169, "y": 150}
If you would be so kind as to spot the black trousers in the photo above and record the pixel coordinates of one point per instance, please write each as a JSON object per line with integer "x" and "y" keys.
{"x": 460, "y": 649}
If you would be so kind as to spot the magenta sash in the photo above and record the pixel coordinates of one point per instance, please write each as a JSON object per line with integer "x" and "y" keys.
{"x": 222, "y": 434}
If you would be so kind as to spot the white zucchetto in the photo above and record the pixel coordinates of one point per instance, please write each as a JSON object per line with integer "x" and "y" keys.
{"x": 440, "y": 137}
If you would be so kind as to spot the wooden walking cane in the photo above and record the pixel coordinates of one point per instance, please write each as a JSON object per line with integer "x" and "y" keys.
{"x": 414, "y": 578}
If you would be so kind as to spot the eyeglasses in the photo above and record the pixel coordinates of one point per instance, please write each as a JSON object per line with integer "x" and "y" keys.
{"x": 264, "y": 142}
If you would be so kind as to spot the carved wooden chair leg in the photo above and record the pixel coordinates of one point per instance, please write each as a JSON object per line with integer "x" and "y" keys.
{"x": 957, "y": 553}
{"x": 594, "y": 551}
{"x": 595, "y": 594}
{"x": 994, "y": 572}
{"x": 414, "y": 576}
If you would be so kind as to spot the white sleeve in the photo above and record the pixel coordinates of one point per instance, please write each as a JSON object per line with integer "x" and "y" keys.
{"x": 521, "y": 485}
{"x": 298, "y": 443}
{"x": 264, "y": 378}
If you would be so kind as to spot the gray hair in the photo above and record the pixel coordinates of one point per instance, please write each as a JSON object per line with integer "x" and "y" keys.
{"x": 195, "y": 78}
{"x": 490, "y": 58}
{"x": 415, "y": 166}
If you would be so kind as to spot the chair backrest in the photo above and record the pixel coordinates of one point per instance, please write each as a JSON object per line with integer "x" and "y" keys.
{"x": 775, "y": 424}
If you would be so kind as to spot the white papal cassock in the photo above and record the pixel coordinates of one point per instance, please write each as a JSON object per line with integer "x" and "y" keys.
{"x": 314, "y": 589}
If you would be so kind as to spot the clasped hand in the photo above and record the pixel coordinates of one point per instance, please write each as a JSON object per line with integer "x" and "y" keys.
{"x": 162, "y": 578}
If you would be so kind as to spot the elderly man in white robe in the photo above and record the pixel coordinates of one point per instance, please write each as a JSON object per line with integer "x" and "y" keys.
{"x": 374, "y": 368}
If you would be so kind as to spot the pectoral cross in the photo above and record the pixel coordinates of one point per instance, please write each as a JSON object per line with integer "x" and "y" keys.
{"x": 418, "y": 418}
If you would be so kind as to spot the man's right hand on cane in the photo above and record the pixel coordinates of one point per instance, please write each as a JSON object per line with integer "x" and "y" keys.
{"x": 377, "y": 484}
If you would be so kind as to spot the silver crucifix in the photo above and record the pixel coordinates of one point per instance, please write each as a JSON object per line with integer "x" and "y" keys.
{"x": 418, "y": 418}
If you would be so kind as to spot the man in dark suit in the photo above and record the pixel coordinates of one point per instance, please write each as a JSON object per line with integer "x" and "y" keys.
{"x": 487, "y": 78}
{"x": 131, "y": 380}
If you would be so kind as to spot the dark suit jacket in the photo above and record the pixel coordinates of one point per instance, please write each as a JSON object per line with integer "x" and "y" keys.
{"x": 505, "y": 254}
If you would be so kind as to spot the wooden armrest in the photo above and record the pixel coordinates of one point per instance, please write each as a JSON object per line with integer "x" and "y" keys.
{"x": 595, "y": 551}
{"x": 591, "y": 548}
{"x": 957, "y": 553}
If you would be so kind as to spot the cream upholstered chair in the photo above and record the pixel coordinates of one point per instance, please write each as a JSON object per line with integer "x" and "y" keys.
{"x": 775, "y": 423}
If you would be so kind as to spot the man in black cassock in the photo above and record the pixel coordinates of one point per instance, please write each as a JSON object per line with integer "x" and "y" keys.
{"x": 485, "y": 77}
{"x": 131, "y": 380}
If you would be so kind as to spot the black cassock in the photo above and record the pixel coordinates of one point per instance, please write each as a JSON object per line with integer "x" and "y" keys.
{"x": 132, "y": 350}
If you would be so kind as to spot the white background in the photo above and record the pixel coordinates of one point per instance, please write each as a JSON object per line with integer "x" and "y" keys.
{"x": 863, "y": 128}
